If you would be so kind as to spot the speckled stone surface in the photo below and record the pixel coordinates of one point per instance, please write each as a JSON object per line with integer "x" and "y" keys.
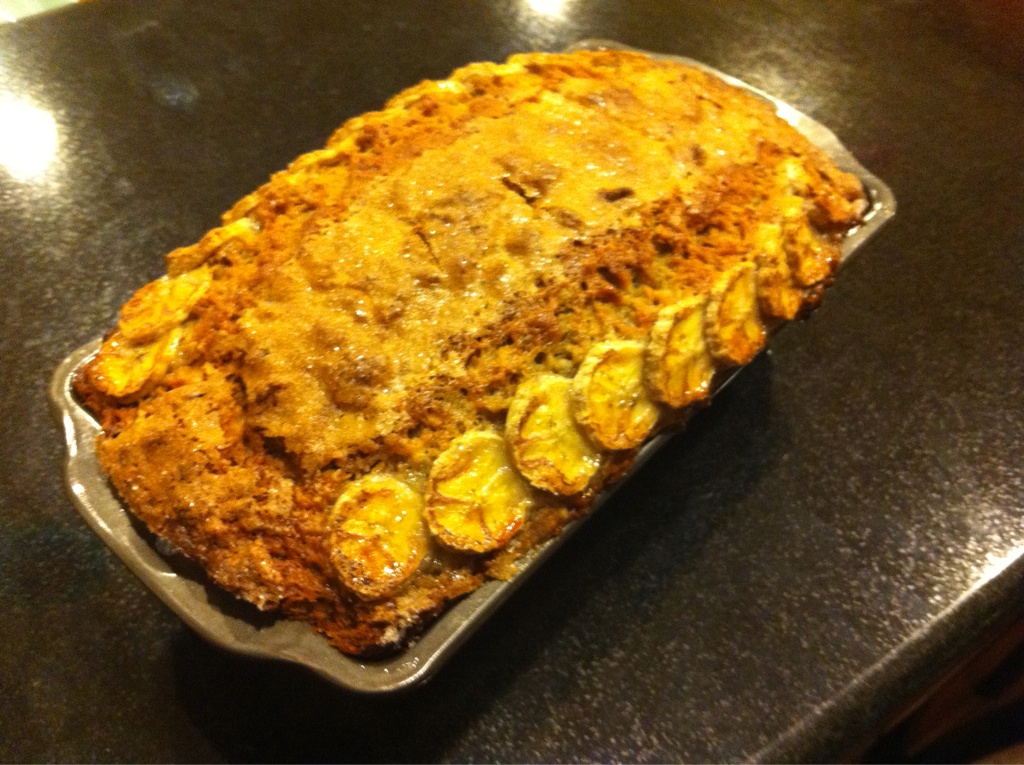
{"x": 842, "y": 524}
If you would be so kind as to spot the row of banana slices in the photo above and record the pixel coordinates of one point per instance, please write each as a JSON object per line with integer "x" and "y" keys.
{"x": 555, "y": 438}
{"x": 138, "y": 354}
{"x": 482, "y": 486}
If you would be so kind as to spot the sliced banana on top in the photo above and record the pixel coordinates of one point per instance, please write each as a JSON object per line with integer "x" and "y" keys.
{"x": 548, "y": 446}
{"x": 162, "y": 305}
{"x": 611, "y": 400}
{"x": 242, "y": 231}
{"x": 810, "y": 258}
{"x": 778, "y": 295}
{"x": 123, "y": 368}
{"x": 734, "y": 330}
{"x": 476, "y": 499}
{"x": 679, "y": 365}
{"x": 794, "y": 181}
{"x": 377, "y": 537}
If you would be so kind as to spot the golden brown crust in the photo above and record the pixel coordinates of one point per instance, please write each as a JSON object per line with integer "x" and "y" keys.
{"x": 407, "y": 284}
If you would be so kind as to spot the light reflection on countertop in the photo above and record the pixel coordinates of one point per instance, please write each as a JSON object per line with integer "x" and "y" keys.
{"x": 12, "y": 10}
{"x": 551, "y": 8}
{"x": 28, "y": 139}
{"x": 548, "y": 22}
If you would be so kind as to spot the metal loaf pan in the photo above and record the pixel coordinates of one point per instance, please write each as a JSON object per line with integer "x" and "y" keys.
{"x": 238, "y": 626}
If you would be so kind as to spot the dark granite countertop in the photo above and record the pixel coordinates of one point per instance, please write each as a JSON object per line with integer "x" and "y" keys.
{"x": 842, "y": 525}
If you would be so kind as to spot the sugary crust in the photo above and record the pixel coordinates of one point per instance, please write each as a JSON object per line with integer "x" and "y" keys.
{"x": 394, "y": 290}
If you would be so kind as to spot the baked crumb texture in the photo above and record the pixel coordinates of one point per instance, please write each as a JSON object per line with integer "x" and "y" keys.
{"x": 418, "y": 352}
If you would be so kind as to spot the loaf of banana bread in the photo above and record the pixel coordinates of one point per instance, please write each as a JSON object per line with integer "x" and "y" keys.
{"x": 417, "y": 353}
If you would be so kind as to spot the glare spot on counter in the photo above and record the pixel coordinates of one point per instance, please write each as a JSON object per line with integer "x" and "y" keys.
{"x": 28, "y": 139}
{"x": 553, "y": 8}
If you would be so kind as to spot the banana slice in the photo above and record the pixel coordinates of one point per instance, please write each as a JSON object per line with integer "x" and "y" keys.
{"x": 794, "y": 182}
{"x": 376, "y": 537}
{"x": 122, "y": 368}
{"x": 476, "y": 499}
{"x": 778, "y": 296}
{"x": 810, "y": 258}
{"x": 734, "y": 330}
{"x": 548, "y": 446}
{"x": 162, "y": 305}
{"x": 242, "y": 231}
{"x": 611, "y": 401}
{"x": 679, "y": 366}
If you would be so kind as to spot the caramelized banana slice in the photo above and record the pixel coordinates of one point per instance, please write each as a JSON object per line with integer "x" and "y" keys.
{"x": 794, "y": 184}
{"x": 242, "y": 231}
{"x": 376, "y": 538}
{"x": 734, "y": 330}
{"x": 679, "y": 366}
{"x": 778, "y": 296}
{"x": 122, "y": 368}
{"x": 611, "y": 401}
{"x": 162, "y": 305}
{"x": 548, "y": 446}
{"x": 811, "y": 258}
{"x": 476, "y": 499}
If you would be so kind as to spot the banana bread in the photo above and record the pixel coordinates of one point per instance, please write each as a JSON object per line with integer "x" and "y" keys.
{"x": 417, "y": 353}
